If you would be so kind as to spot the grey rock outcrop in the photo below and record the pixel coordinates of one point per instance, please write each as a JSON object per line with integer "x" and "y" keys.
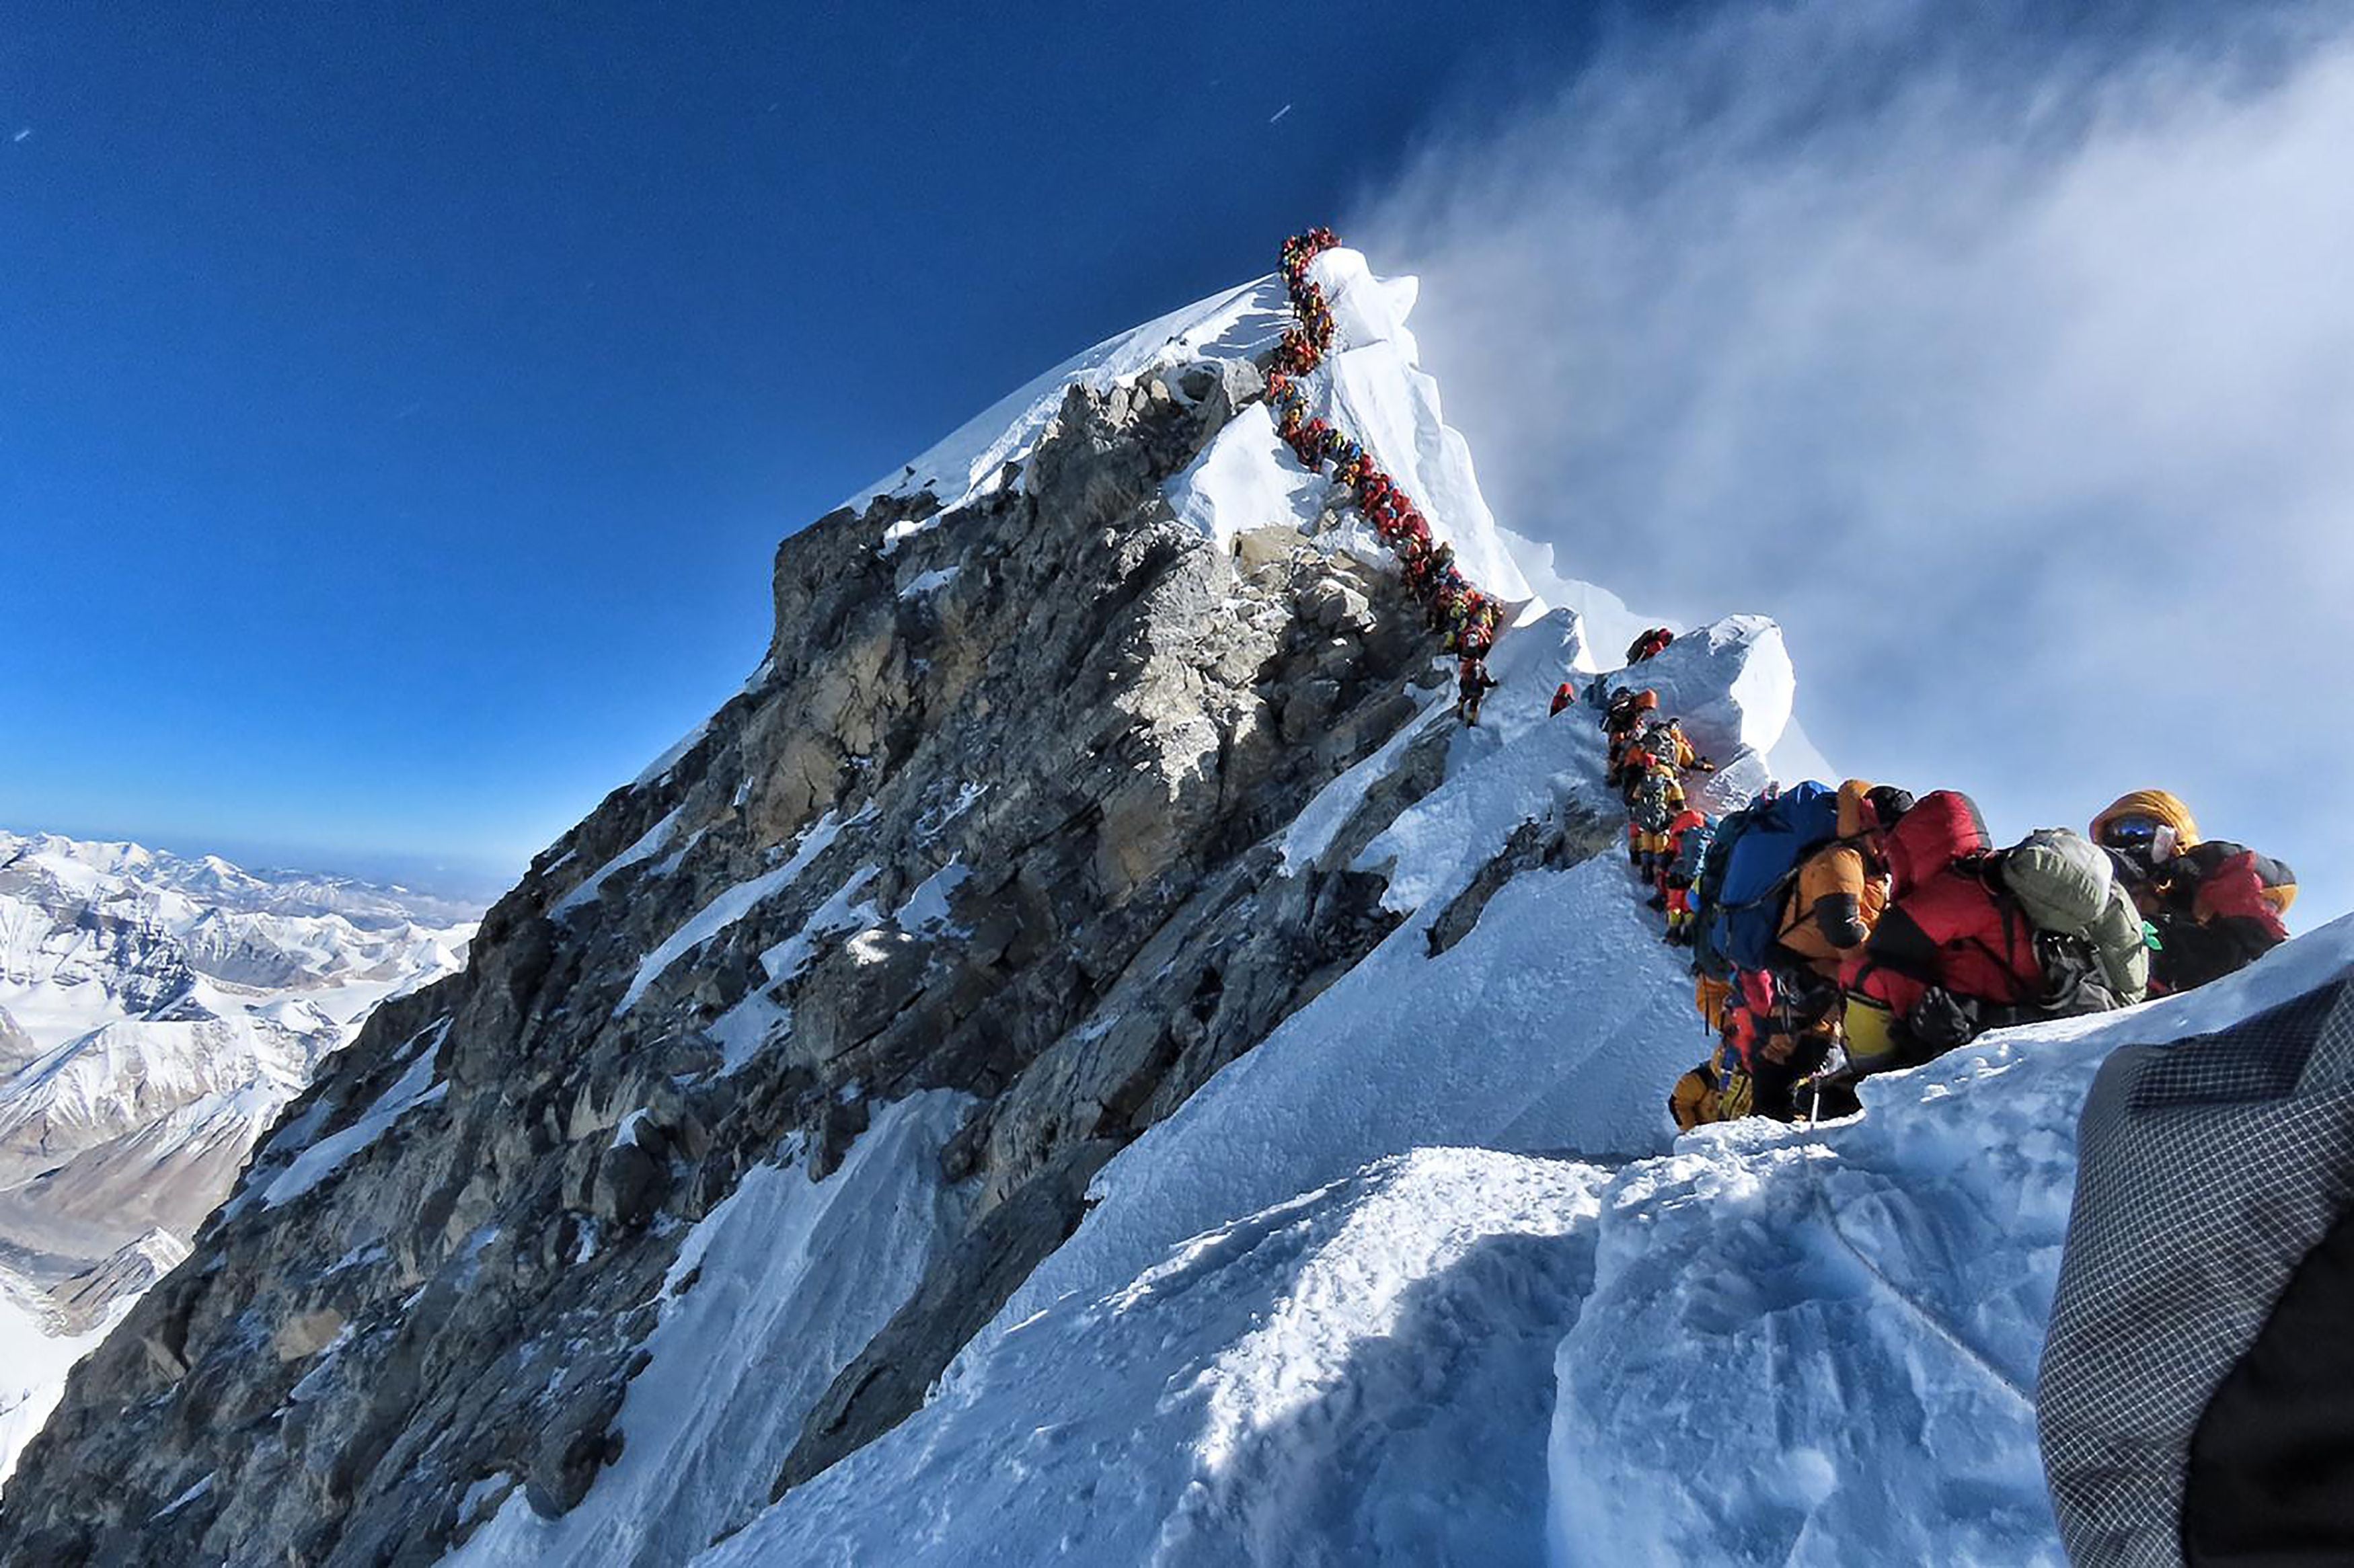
{"x": 994, "y": 817}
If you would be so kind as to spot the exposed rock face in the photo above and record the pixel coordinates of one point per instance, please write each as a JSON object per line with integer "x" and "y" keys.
{"x": 992, "y": 818}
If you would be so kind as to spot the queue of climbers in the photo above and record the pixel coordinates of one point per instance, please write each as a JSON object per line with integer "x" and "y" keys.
{"x": 1834, "y": 932}
{"x": 1838, "y": 932}
{"x": 1466, "y": 620}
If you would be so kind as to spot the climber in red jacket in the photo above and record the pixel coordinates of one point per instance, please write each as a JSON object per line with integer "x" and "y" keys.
{"x": 1952, "y": 953}
{"x": 1649, "y": 645}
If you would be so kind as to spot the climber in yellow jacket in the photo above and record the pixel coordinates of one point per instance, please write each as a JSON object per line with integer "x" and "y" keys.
{"x": 2215, "y": 906}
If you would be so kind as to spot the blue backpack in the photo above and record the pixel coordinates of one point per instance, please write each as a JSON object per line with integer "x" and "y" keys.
{"x": 1751, "y": 869}
{"x": 1709, "y": 956}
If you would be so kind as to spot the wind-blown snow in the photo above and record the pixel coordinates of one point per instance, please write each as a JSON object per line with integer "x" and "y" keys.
{"x": 1607, "y": 621}
{"x": 1795, "y": 757}
{"x": 776, "y": 1309}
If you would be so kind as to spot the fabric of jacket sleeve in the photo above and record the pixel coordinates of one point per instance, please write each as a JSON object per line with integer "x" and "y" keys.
{"x": 1831, "y": 887}
{"x": 1831, "y": 909}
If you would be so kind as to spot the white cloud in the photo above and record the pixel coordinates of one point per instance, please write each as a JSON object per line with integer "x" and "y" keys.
{"x": 2016, "y": 379}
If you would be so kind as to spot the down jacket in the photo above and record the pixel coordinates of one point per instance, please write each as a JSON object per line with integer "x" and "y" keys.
{"x": 1838, "y": 895}
{"x": 1944, "y": 925}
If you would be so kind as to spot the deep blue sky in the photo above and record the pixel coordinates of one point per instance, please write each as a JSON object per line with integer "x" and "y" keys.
{"x": 399, "y": 410}
{"x": 398, "y": 407}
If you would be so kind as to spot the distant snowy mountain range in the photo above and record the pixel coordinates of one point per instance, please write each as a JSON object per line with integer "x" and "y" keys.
{"x": 156, "y": 1013}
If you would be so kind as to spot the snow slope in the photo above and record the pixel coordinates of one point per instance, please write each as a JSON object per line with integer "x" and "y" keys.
{"x": 768, "y": 1275}
{"x": 1768, "y": 1346}
{"x": 969, "y": 462}
{"x": 1266, "y": 1394}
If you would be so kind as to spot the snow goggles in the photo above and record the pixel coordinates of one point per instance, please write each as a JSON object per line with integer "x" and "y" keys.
{"x": 2130, "y": 832}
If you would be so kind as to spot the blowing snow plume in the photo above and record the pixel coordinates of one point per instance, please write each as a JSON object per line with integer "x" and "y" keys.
{"x": 2008, "y": 369}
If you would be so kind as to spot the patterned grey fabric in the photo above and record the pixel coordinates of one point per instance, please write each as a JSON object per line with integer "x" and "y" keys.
{"x": 2207, "y": 1169}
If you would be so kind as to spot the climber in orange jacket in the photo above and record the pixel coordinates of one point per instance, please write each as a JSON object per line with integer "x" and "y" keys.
{"x": 1841, "y": 888}
{"x": 2216, "y": 906}
{"x": 1624, "y": 718}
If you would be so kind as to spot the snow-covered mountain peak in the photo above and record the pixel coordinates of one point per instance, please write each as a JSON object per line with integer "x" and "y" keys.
{"x": 1086, "y": 1057}
{"x": 969, "y": 462}
{"x": 1245, "y": 480}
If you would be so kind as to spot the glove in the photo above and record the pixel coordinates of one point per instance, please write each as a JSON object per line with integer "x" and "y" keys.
{"x": 1940, "y": 1021}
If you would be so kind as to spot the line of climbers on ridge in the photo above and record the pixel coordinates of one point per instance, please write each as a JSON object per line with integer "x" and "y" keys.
{"x": 1841, "y": 932}
{"x": 1835, "y": 932}
{"x": 1466, "y": 618}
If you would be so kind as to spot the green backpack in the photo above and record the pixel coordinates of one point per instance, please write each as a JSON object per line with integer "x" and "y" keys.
{"x": 2067, "y": 886}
